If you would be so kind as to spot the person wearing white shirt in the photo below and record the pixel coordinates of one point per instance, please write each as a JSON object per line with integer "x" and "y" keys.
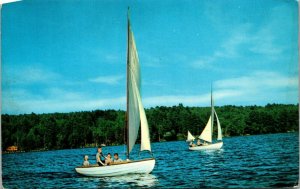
{"x": 116, "y": 158}
{"x": 86, "y": 162}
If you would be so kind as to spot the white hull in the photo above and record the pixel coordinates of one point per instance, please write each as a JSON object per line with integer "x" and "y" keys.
{"x": 132, "y": 167}
{"x": 214, "y": 146}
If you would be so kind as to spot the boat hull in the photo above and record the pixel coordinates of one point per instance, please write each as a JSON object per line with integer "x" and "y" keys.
{"x": 132, "y": 167}
{"x": 214, "y": 146}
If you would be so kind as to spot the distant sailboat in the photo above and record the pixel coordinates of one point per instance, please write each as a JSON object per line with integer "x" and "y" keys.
{"x": 207, "y": 133}
{"x": 136, "y": 117}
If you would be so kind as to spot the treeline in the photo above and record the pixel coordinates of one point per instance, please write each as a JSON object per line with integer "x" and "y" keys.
{"x": 92, "y": 128}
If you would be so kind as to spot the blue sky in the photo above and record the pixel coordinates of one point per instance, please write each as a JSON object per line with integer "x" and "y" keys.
{"x": 62, "y": 56}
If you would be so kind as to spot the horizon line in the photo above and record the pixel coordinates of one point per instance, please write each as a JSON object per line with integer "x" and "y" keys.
{"x": 168, "y": 106}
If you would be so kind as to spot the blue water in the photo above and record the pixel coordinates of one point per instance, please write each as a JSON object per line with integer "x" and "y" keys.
{"x": 244, "y": 162}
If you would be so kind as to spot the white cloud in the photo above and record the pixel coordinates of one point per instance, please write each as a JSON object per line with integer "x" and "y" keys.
{"x": 259, "y": 80}
{"x": 265, "y": 41}
{"x": 66, "y": 102}
{"x": 110, "y": 80}
{"x": 203, "y": 62}
{"x": 229, "y": 48}
{"x": 110, "y": 58}
{"x": 64, "y": 95}
{"x": 258, "y": 87}
{"x": 261, "y": 86}
{"x": 157, "y": 83}
{"x": 148, "y": 60}
{"x": 29, "y": 75}
{"x": 226, "y": 94}
{"x": 189, "y": 100}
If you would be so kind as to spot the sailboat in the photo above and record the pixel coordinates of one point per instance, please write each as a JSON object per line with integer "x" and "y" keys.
{"x": 207, "y": 133}
{"x": 135, "y": 118}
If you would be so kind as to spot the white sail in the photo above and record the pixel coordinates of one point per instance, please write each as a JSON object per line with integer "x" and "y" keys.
{"x": 133, "y": 86}
{"x": 219, "y": 127}
{"x": 190, "y": 137}
{"x": 8, "y": 1}
{"x": 137, "y": 115}
{"x": 207, "y": 132}
{"x": 145, "y": 137}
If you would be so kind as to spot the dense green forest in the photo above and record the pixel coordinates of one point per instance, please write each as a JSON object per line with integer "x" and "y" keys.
{"x": 91, "y": 128}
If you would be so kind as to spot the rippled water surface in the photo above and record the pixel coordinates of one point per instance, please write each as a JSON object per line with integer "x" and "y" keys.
{"x": 249, "y": 161}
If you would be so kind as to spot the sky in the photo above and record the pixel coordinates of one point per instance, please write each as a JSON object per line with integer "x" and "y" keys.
{"x": 66, "y": 56}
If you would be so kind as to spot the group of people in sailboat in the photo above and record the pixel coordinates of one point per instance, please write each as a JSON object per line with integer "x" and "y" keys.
{"x": 199, "y": 143}
{"x": 103, "y": 160}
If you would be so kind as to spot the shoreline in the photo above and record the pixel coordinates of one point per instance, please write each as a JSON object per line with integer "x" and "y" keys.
{"x": 43, "y": 150}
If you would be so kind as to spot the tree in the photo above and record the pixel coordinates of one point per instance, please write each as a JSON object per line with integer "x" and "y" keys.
{"x": 80, "y": 129}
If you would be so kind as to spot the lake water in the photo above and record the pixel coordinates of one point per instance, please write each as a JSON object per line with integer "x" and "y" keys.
{"x": 249, "y": 161}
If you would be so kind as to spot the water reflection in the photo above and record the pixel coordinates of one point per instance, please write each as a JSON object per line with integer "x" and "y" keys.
{"x": 211, "y": 152}
{"x": 134, "y": 180}
{"x": 137, "y": 180}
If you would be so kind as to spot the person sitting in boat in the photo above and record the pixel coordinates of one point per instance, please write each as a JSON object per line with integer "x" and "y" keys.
{"x": 116, "y": 158}
{"x": 192, "y": 144}
{"x": 199, "y": 142}
{"x": 86, "y": 162}
{"x": 108, "y": 159}
{"x": 99, "y": 157}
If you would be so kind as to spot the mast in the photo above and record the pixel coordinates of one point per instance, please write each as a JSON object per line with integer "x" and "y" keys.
{"x": 127, "y": 88}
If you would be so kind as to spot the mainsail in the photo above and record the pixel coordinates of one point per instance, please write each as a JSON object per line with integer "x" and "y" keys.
{"x": 135, "y": 111}
{"x": 207, "y": 132}
{"x": 190, "y": 137}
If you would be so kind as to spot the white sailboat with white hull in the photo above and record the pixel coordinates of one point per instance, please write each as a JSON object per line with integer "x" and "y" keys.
{"x": 135, "y": 117}
{"x": 207, "y": 133}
